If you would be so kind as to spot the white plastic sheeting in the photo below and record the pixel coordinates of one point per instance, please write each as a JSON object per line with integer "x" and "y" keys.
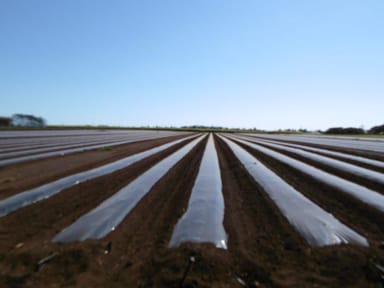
{"x": 364, "y": 194}
{"x": 66, "y": 151}
{"x": 28, "y": 141}
{"x": 20, "y": 134}
{"x": 56, "y": 148}
{"x": 318, "y": 227}
{"x": 361, "y": 143}
{"x": 203, "y": 220}
{"x": 105, "y": 217}
{"x": 359, "y": 159}
{"x": 340, "y": 165}
{"x": 47, "y": 190}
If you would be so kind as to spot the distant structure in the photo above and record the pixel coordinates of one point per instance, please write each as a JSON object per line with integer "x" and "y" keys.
{"x": 23, "y": 120}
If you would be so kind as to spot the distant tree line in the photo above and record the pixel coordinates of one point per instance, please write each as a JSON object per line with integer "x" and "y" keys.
{"x": 341, "y": 130}
{"x": 377, "y": 130}
{"x": 22, "y": 120}
{"x": 5, "y": 122}
{"x": 353, "y": 130}
{"x": 204, "y": 127}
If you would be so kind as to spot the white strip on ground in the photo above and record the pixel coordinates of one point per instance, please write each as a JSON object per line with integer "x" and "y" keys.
{"x": 318, "y": 227}
{"x": 47, "y": 190}
{"x": 340, "y": 165}
{"x": 359, "y": 159}
{"x": 370, "y": 197}
{"x": 61, "y": 152}
{"x": 368, "y": 144}
{"x": 203, "y": 220}
{"x": 105, "y": 217}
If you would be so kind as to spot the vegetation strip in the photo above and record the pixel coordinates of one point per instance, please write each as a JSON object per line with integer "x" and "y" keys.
{"x": 203, "y": 220}
{"x": 47, "y": 190}
{"x": 104, "y": 218}
{"x": 347, "y": 167}
{"x": 318, "y": 227}
{"x": 364, "y": 194}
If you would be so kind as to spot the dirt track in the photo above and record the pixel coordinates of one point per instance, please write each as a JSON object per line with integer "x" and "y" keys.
{"x": 263, "y": 249}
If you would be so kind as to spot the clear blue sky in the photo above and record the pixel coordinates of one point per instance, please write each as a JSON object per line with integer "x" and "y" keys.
{"x": 268, "y": 64}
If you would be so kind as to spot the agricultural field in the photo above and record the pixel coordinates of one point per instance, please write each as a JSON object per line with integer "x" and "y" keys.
{"x": 122, "y": 208}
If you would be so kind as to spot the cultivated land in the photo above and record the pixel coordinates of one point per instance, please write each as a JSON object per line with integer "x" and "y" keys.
{"x": 264, "y": 248}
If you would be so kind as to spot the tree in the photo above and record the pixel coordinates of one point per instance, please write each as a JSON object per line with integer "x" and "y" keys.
{"x": 5, "y": 121}
{"x": 24, "y": 120}
{"x": 377, "y": 130}
{"x": 341, "y": 130}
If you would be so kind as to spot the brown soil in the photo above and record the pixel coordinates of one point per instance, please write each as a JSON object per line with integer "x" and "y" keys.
{"x": 263, "y": 249}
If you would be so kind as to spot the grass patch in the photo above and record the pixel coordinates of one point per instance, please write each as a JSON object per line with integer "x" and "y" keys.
{"x": 7, "y": 180}
{"x": 107, "y": 148}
